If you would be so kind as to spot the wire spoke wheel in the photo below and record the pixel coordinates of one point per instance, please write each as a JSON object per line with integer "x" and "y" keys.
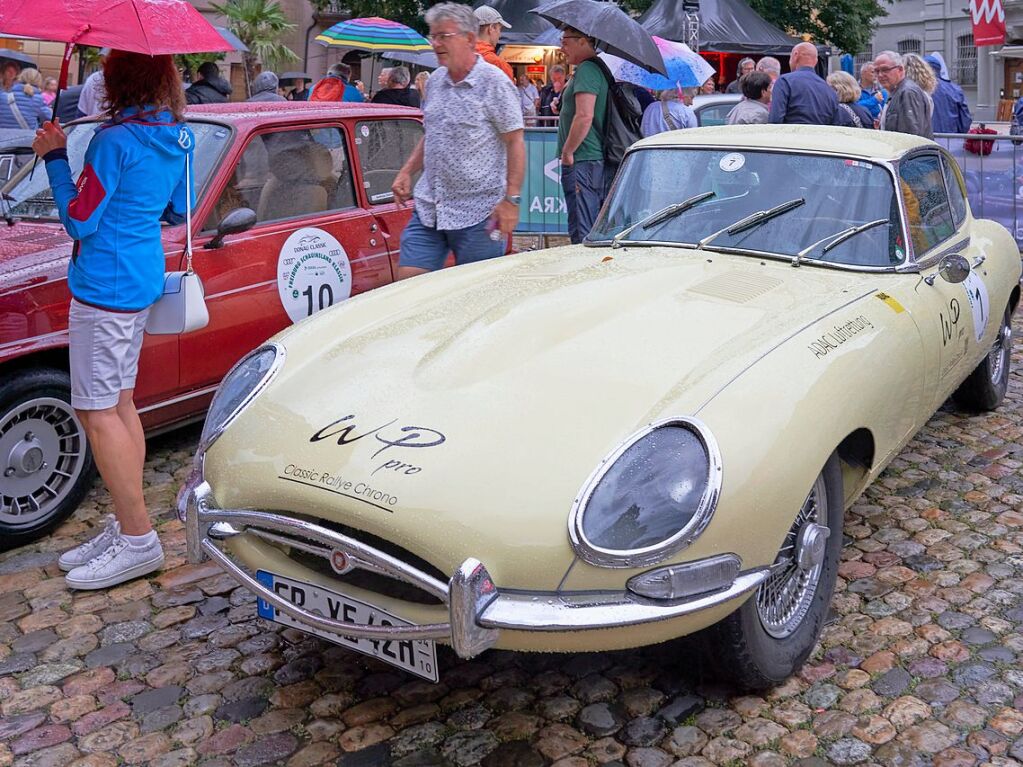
{"x": 998, "y": 357}
{"x": 42, "y": 455}
{"x": 785, "y": 598}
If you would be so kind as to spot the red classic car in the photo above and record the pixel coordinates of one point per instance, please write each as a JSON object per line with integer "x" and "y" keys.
{"x": 294, "y": 213}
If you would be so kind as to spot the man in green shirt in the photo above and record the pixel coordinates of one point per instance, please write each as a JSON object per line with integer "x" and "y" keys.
{"x": 582, "y": 110}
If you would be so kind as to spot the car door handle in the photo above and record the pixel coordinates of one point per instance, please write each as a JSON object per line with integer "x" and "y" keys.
{"x": 372, "y": 227}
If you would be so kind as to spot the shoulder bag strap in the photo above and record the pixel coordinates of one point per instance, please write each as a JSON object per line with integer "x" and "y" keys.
{"x": 13, "y": 104}
{"x": 668, "y": 119}
{"x": 855, "y": 117}
{"x": 188, "y": 214}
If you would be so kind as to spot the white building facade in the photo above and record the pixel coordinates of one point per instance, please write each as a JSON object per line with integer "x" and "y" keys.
{"x": 985, "y": 74}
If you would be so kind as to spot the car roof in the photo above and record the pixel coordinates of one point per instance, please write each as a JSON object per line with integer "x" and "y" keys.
{"x": 847, "y": 142}
{"x": 240, "y": 113}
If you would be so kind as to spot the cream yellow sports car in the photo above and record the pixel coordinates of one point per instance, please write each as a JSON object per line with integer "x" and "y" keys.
{"x": 602, "y": 446}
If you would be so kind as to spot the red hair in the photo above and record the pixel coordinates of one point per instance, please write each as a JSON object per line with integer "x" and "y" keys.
{"x": 138, "y": 80}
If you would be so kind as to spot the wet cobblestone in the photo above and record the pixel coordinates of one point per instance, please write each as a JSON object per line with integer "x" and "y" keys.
{"x": 919, "y": 665}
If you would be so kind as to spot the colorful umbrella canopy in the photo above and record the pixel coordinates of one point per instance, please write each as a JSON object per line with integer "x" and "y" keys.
{"x": 374, "y": 34}
{"x": 144, "y": 26}
{"x": 685, "y": 68}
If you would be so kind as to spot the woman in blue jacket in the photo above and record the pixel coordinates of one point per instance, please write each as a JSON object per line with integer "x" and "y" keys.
{"x": 19, "y": 108}
{"x": 134, "y": 174}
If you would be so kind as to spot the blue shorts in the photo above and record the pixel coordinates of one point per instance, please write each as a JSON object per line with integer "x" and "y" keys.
{"x": 426, "y": 248}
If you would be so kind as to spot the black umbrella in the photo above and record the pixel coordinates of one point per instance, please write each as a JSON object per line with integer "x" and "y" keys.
{"x": 610, "y": 26}
{"x": 295, "y": 76}
{"x": 19, "y": 58}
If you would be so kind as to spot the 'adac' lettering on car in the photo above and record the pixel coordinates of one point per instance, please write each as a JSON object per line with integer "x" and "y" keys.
{"x": 832, "y": 339}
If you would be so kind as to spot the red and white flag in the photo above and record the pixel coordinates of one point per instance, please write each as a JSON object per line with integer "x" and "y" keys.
{"x": 988, "y": 18}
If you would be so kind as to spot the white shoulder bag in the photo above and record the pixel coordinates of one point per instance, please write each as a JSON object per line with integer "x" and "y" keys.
{"x": 182, "y": 307}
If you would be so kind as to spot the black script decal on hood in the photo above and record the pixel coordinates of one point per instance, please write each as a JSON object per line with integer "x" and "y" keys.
{"x": 401, "y": 436}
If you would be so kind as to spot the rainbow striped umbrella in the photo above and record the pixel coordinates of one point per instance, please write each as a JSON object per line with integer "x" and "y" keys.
{"x": 374, "y": 34}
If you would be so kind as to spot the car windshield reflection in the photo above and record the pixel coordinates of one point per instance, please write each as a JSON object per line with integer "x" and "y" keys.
{"x": 27, "y": 195}
{"x": 839, "y": 194}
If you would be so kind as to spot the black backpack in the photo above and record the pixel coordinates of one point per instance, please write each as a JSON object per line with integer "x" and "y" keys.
{"x": 623, "y": 117}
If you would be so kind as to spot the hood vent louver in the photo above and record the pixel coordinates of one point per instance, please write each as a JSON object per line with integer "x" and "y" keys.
{"x": 737, "y": 287}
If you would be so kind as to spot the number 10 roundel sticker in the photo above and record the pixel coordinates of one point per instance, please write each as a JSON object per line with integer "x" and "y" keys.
{"x": 313, "y": 273}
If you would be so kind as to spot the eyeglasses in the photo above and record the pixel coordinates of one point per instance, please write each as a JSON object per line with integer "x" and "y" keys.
{"x": 572, "y": 37}
{"x": 440, "y": 37}
{"x": 885, "y": 70}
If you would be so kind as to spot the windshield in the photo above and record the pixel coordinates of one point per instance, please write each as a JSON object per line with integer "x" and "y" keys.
{"x": 28, "y": 194}
{"x": 839, "y": 194}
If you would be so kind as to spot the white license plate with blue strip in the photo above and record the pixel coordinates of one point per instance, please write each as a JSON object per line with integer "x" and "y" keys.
{"x": 416, "y": 656}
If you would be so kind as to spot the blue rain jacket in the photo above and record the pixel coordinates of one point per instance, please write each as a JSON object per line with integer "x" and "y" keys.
{"x": 32, "y": 109}
{"x": 134, "y": 174}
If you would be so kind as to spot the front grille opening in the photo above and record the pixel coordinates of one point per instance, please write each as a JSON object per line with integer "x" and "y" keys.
{"x": 374, "y": 582}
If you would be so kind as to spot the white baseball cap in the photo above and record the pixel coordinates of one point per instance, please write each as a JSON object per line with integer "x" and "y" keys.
{"x": 486, "y": 15}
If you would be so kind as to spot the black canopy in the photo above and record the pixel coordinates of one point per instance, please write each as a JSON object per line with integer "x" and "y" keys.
{"x": 526, "y": 27}
{"x": 726, "y": 26}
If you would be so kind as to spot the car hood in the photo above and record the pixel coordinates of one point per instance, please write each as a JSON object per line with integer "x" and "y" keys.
{"x": 31, "y": 253}
{"x": 458, "y": 414}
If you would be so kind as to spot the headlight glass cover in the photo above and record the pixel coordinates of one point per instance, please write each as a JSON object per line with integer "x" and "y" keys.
{"x": 650, "y": 498}
{"x": 238, "y": 388}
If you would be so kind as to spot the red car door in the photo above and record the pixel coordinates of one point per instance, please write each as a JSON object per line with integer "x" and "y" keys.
{"x": 312, "y": 246}
{"x": 383, "y": 147}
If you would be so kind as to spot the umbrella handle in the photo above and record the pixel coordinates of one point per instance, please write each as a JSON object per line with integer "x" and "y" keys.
{"x": 61, "y": 83}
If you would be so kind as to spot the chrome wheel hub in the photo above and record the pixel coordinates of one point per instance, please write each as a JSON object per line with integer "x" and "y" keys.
{"x": 998, "y": 357}
{"x": 42, "y": 453}
{"x": 784, "y": 599}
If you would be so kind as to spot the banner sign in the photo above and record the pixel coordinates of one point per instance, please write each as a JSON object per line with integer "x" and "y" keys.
{"x": 543, "y": 203}
{"x": 988, "y": 19}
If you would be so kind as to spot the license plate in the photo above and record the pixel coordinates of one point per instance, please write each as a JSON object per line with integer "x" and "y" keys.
{"x": 416, "y": 656}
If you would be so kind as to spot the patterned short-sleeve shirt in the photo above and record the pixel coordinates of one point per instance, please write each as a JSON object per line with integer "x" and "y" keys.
{"x": 465, "y": 162}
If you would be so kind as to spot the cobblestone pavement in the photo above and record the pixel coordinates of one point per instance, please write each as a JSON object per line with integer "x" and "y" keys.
{"x": 919, "y": 666}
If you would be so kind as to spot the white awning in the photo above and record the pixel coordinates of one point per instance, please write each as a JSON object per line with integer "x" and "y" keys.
{"x": 1009, "y": 52}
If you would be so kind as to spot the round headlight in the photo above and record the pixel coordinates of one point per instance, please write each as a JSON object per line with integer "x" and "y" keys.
{"x": 650, "y": 497}
{"x": 238, "y": 388}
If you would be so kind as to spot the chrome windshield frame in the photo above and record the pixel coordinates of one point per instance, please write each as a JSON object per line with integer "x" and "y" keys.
{"x": 886, "y": 164}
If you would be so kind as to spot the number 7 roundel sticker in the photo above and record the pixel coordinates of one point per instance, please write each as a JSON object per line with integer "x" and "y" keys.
{"x": 313, "y": 273}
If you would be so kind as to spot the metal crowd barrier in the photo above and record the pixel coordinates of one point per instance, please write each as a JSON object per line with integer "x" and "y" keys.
{"x": 994, "y": 183}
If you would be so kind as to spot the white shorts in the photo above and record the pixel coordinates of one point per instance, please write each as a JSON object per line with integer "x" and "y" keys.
{"x": 104, "y": 354}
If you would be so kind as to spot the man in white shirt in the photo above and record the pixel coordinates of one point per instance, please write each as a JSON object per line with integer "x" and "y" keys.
{"x": 92, "y": 99}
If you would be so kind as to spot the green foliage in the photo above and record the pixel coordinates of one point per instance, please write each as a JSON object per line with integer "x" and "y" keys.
{"x": 845, "y": 24}
{"x": 407, "y": 12}
{"x": 259, "y": 24}
{"x": 635, "y": 7}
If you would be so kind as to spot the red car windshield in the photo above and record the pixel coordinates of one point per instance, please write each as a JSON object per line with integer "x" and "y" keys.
{"x": 27, "y": 195}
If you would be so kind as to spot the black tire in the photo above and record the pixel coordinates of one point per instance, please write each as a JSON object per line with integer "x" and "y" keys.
{"x": 984, "y": 389}
{"x": 740, "y": 648}
{"x": 46, "y": 465}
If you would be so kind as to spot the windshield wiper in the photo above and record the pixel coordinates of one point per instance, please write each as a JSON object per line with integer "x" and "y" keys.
{"x": 752, "y": 220}
{"x": 836, "y": 239}
{"x": 664, "y": 214}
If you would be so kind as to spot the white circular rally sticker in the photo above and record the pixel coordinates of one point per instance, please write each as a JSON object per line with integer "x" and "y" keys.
{"x": 732, "y": 162}
{"x": 313, "y": 272}
{"x": 976, "y": 294}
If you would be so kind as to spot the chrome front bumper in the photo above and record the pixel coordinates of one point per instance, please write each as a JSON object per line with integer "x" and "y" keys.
{"x": 477, "y": 609}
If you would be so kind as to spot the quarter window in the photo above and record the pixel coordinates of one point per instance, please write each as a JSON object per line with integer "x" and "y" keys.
{"x": 384, "y": 146}
{"x": 287, "y": 174}
{"x": 956, "y": 197}
{"x": 927, "y": 206}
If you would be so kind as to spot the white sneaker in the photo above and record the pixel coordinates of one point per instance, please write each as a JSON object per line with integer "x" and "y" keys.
{"x": 120, "y": 562}
{"x": 80, "y": 555}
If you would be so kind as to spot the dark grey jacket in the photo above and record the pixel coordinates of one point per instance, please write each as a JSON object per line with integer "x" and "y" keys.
{"x": 908, "y": 110}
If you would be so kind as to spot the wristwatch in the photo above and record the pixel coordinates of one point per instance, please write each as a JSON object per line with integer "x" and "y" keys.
{"x": 514, "y": 199}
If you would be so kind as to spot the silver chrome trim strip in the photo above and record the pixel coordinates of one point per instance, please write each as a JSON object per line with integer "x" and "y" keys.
{"x": 648, "y": 555}
{"x": 182, "y": 398}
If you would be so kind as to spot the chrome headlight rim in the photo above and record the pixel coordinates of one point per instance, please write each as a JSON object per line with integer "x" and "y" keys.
{"x": 279, "y": 356}
{"x": 649, "y": 555}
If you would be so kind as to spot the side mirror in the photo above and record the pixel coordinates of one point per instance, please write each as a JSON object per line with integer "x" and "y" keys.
{"x": 238, "y": 220}
{"x": 954, "y": 268}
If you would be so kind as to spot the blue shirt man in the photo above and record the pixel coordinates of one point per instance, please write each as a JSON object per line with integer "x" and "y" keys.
{"x": 666, "y": 114}
{"x": 801, "y": 96}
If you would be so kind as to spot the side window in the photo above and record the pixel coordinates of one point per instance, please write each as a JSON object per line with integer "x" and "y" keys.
{"x": 927, "y": 207}
{"x": 715, "y": 114}
{"x": 956, "y": 196}
{"x": 383, "y": 146}
{"x": 290, "y": 173}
